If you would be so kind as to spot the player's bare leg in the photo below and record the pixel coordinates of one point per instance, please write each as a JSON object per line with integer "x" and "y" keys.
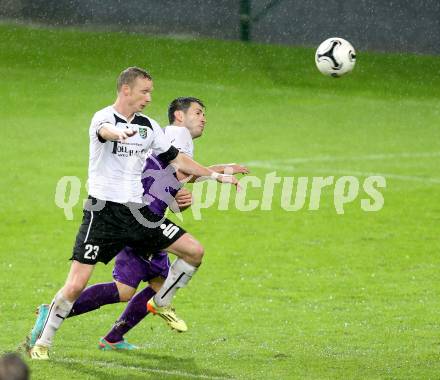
{"x": 105, "y": 293}
{"x": 60, "y": 307}
{"x": 190, "y": 253}
{"x": 126, "y": 292}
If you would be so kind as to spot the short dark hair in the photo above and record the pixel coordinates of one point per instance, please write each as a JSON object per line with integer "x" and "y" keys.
{"x": 129, "y": 75}
{"x": 181, "y": 104}
{"x": 12, "y": 367}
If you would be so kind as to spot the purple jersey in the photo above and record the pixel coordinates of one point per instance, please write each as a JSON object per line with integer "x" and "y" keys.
{"x": 160, "y": 187}
{"x": 160, "y": 184}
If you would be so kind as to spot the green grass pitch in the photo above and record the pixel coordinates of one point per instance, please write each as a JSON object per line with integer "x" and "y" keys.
{"x": 281, "y": 295}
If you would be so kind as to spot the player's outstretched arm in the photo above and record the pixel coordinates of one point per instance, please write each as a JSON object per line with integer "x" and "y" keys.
{"x": 111, "y": 133}
{"x": 187, "y": 165}
{"x": 222, "y": 169}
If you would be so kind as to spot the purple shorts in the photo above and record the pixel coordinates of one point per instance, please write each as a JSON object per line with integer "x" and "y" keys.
{"x": 131, "y": 269}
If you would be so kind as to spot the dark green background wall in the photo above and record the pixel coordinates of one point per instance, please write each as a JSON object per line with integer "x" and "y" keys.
{"x": 388, "y": 25}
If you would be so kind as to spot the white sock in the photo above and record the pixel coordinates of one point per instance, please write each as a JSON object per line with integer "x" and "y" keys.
{"x": 58, "y": 311}
{"x": 179, "y": 275}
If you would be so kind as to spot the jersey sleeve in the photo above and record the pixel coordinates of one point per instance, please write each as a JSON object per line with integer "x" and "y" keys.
{"x": 99, "y": 119}
{"x": 161, "y": 144}
{"x": 181, "y": 138}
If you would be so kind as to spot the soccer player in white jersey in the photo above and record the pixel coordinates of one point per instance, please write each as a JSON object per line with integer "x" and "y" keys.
{"x": 116, "y": 215}
{"x": 187, "y": 122}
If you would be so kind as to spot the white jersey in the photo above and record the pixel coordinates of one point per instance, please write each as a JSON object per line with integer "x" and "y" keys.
{"x": 115, "y": 168}
{"x": 180, "y": 137}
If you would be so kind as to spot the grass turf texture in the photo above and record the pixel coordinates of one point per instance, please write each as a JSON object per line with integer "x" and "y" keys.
{"x": 307, "y": 294}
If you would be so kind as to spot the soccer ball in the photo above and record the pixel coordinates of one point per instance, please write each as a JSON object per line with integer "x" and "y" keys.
{"x": 335, "y": 57}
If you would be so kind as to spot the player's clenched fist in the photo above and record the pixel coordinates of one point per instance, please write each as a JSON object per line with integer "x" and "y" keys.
{"x": 110, "y": 132}
{"x": 124, "y": 134}
{"x": 183, "y": 199}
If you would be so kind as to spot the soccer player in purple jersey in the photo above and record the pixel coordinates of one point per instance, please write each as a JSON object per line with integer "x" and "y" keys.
{"x": 187, "y": 119}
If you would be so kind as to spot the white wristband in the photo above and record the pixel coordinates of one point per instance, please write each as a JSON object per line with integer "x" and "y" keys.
{"x": 215, "y": 175}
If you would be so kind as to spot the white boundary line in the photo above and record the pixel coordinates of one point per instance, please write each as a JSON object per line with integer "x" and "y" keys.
{"x": 350, "y": 172}
{"x": 367, "y": 157}
{"x": 386, "y": 175}
{"x": 138, "y": 368}
{"x": 284, "y": 164}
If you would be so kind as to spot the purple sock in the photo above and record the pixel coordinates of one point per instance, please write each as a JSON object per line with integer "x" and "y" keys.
{"x": 94, "y": 297}
{"x": 135, "y": 311}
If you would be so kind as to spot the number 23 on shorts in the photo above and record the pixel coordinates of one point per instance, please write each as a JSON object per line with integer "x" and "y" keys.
{"x": 91, "y": 251}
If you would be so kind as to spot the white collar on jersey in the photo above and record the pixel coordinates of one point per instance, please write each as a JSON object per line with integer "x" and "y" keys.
{"x": 122, "y": 116}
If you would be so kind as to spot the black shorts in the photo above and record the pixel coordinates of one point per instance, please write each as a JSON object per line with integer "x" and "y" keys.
{"x": 105, "y": 232}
